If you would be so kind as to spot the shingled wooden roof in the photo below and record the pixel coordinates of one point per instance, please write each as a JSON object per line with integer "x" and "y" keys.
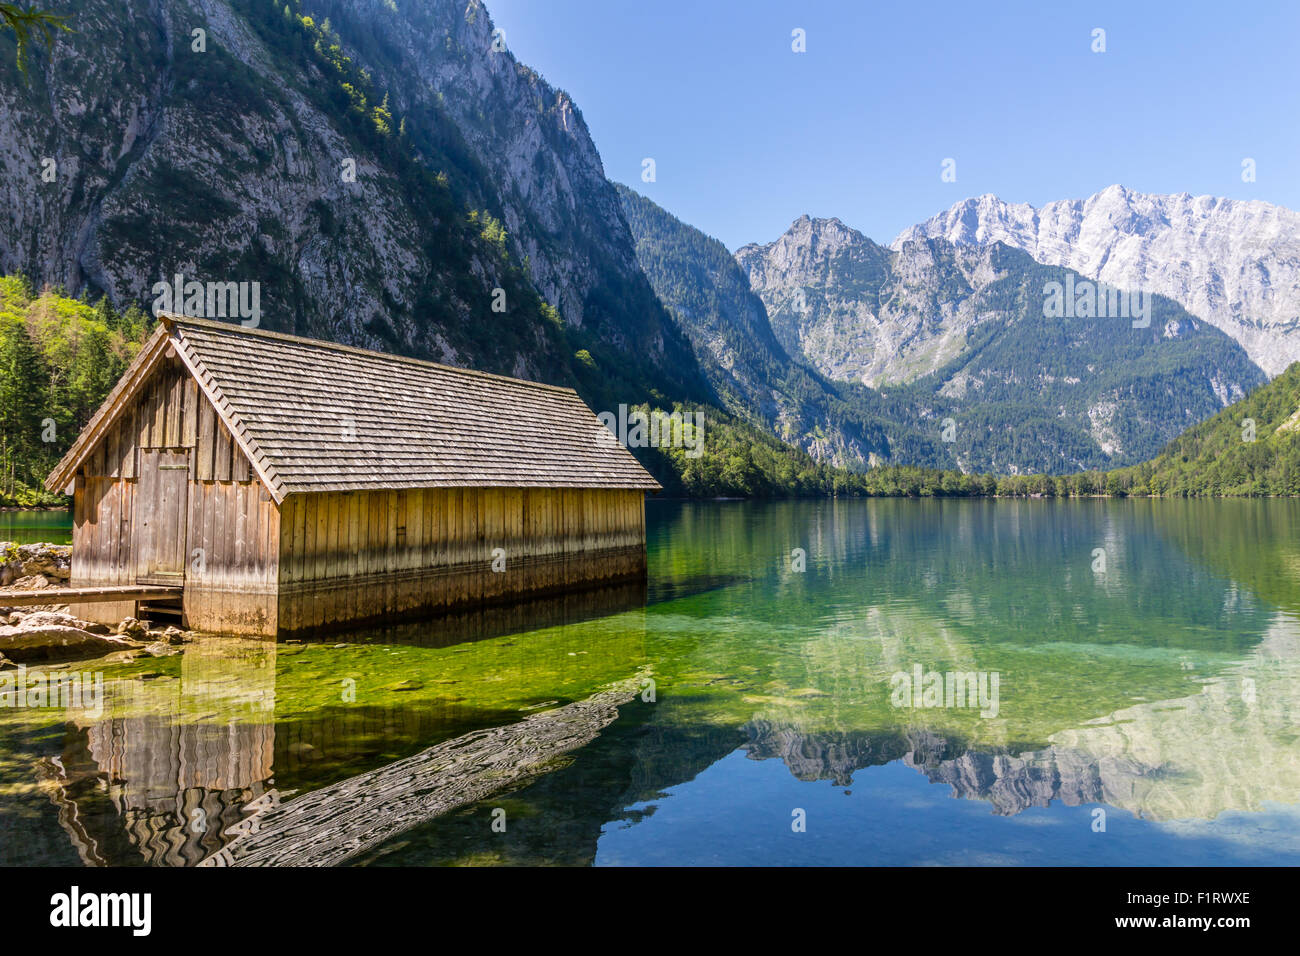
{"x": 316, "y": 416}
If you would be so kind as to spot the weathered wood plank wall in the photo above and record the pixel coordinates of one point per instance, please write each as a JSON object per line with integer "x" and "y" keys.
{"x": 101, "y": 543}
{"x": 371, "y": 555}
{"x": 233, "y": 536}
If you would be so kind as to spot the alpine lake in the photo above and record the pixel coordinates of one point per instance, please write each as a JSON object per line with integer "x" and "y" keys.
{"x": 875, "y": 682}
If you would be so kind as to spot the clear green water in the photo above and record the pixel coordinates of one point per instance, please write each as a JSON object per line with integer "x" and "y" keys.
{"x": 32, "y": 526}
{"x": 1160, "y": 693}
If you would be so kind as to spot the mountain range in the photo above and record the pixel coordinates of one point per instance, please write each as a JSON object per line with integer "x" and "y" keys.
{"x": 962, "y": 338}
{"x": 1233, "y": 263}
{"x": 392, "y": 177}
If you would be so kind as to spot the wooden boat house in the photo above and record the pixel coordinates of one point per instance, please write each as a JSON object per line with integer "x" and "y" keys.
{"x": 258, "y": 483}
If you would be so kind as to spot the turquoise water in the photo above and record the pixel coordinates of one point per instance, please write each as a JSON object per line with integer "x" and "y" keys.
{"x": 738, "y": 710}
{"x": 31, "y": 526}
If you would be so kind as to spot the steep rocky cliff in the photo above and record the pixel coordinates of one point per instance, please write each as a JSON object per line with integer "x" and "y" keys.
{"x": 1235, "y": 264}
{"x": 561, "y": 215}
{"x": 755, "y": 376}
{"x": 386, "y": 177}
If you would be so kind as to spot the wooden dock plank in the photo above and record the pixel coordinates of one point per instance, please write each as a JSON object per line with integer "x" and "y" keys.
{"x": 121, "y": 592}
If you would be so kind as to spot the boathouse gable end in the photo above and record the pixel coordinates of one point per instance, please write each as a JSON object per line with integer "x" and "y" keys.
{"x": 283, "y": 484}
{"x": 164, "y": 496}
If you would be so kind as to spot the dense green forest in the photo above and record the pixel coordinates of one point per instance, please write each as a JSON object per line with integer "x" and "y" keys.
{"x": 59, "y": 357}
{"x": 1250, "y": 449}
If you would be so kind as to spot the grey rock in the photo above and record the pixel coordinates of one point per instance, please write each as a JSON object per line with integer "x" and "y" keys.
{"x": 1231, "y": 262}
{"x": 360, "y": 261}
{"x": 131, "y": 627}
{"x": 52, "y": 641}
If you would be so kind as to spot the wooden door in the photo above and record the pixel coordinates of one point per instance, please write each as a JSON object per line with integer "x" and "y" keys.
{"x": 161, "y": 510}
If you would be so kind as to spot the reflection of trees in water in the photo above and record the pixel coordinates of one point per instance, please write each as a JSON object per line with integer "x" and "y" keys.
{"x": 986, "y": 564}
{"x": 1174, "y": 759}
{"x": 960, "y": 585}
{"x": 1161, "y": 759}
{"x": 127, "y": 787}
{"x": 1254, "y": 543}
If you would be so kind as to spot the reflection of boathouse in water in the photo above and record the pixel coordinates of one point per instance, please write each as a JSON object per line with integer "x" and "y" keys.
{"x": 170, "y": 764}
{"x": 264, "y": 484}
{"x": 202, "y": 769}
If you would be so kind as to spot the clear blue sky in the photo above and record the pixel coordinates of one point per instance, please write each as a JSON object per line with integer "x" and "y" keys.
{"x": 748, "y": 135}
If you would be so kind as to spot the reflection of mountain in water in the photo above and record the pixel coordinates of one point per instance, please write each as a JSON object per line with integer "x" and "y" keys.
{"x": 1013, "y": 784}
{"x": 1177, "y": 759}
{"x": 838, "y": 756}
{"x": 1009, "y": 782}
{"x": 1231, "y": 747}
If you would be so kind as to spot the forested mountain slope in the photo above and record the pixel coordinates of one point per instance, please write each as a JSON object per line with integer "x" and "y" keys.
{"x": 965, "y": 333}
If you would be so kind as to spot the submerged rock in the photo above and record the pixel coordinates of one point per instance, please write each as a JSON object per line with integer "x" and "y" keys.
{"x": 161, "y": 649}
{"x": 125, "y": 657}
{"x": 174, "y": 635}
{"x": 302, "y": 749}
